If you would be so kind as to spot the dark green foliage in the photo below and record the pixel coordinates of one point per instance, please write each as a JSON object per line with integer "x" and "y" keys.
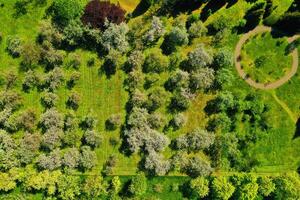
{"x": 66, "y": 10}
{"x": 255, "y": 14}
{"x": 177, "y": 37}
{"x": 289, "y": 22}
{"x": 155, "y": 62}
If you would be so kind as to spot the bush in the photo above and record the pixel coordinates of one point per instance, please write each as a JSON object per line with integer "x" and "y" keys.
{"x": 135, "y": 60}
{"x": 14, "y": 46}
{"x": 88, "y": 158}
{"x": 156, "y": 121}
{"x": 179, "y": 102}
{"x": 88, "y": 122}
{"x": 113, "y": 122}
{"x": 177, "y": 81}
{"x": 30, "y": 81}
{"x": 30, "y": 55}
{"x": 156, "y": 165}
{"x": 155, "y": 62}
{"x": 27, "y": 119}
{"x": 66, "y": 10}
{"x": 51, "y": 161}
{"x": 71, "y": 158}
{"x": 50, "y": 57}
{"x": 96, "y": 12}
{"x": 73, "y": 33}
{"x": 156, "y": 99}
{"x": 75, "y": 76}
{"x": 54, "y": 79}
{"x": 52, "y": 139}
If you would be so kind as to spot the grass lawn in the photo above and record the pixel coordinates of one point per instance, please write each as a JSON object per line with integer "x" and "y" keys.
{"x": 264, "y": 59}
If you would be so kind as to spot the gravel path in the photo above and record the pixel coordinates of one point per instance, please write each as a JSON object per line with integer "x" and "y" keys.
{"x": 241, "y": 72}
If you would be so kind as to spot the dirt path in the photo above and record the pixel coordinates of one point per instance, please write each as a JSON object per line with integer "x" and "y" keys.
{"x": 241, "y": 72}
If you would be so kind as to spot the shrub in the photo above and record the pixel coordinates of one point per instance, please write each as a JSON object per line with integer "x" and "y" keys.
{"x": 96, "y": 12}
{"x": 27, "y": 120}
{"x": 197, "y": 167}
{"x": 14, "y": 46}
{"x": 50, "y": 57}
{"x": 155, "y": 62}
{"x": 75, "y": 76}
{"x": 156, "y": 120}
{"x": 223, "y": 59}
{"x": 52, "y": 138}
{"x": 156, "y": 99}
{"x": 11, "y": 79}
{"x": 88, "y": 122}
{"x": 30, "y": 55}
{"x": 178, "y": 80}
{"x": 73, "y": 33}
{"x": 113, "y": 122}
{"x": 49, "y": 99}
{"x": 66, "y": 10}
{"x": 135, "y": 60}
{"x": 179, "y": 102}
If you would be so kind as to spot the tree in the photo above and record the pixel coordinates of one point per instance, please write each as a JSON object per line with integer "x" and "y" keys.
{"x": 224, "y": 77}
{"x": 198, "y": 58}
{"x": 156, "y": 120}
{"x": 200, "y": 186}
{"x": 266, "y": 186}
{"x": 88, "y": 122}
{"x": 30, "y": 55}
{"x": 178, "y": 121}
{"x": 68, "y": 187}
{"x": 222, "y": 188}
{"x": 73, "y": 101}
{"x": 179, "y": 80}
{"x": 197, "y": 167}
{"x": 52, "y": 119}
{"x": 113, "y": 122}
{"x": 138, "y": 185}
{"x": 135, "y": 60}
{"x": 156, "y": 99}
{"x": 11, "y": 79}
{"x": 66, "y": 10}
{"x": 14, "y": 46}
{"x": 97, "y": 12}
{"x": 75, "y": 76}
{"x": 155, "y": 62}
{"x": 287, "y": 187}
{"x": 223, "y": 59}
{"x": 289, "y": 22}
{"x": 156, "y": 31}
{"x": 71, "y": 158}
{"x": 27, "y": 119}
{"x": 177, "y": 37}
{"x": 51, "y": 57}
{"x": 179, "y": 102}
{"x": 114, "y": 37}
{"x": 6, "y": 182}
{"x": 92, "y": 138}
{"x": 88, "y": 158}
{"x": 196, "y": 140}
{"x": 54, "y": 79}
{"x": 51, "y": 161}
{"x": 202, "y": 79}
{"x": 30, "y": 81}
{"x": 93, "y": 187}
{"x": 49, "y": 99}
{"x": 197, "y": 29}
{"x": 115, "y": 185}
{"x": 28, "y": 148}
{"x": 52, "y": 138}
{"x": 10, "y": 100}
{"x": 156, "y": 164}
{"x": 73, "y": 33}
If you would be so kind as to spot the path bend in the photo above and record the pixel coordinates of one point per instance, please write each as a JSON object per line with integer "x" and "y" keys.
{"x": 251, "y": 82}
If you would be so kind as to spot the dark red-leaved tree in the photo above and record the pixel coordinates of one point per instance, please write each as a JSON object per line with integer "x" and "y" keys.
{"x": 97, "y": 11}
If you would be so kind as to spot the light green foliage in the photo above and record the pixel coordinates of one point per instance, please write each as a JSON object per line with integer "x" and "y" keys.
{"x": 197, "y": 29}
{"x": 115, "y": 185}
{"x": 266, "y": 186}
{"x": 287, "y": 187}
{"x": 155, "y": 62}
{"x": 138, "y": 184}
{"x": 200, "y": 186}
{"x": 94, "y": 186}
{"x": 68, "y": 187}
{"x": 6, "y": 182}
{"x": 222, "y": 188}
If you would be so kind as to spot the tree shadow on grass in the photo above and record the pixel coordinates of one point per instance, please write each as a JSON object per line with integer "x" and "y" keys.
{"x": 297, "y": 131}
{"x": 213, "y": 6}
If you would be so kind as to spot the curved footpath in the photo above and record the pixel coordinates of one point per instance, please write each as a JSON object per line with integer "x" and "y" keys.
{"x": 241, "y": 72}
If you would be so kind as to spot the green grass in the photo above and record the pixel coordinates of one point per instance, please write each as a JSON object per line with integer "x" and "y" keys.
{"x": 264, "y": 59}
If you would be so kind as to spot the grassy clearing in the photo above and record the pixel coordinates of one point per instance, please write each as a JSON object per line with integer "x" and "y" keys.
{"x": 264, "y": 59}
